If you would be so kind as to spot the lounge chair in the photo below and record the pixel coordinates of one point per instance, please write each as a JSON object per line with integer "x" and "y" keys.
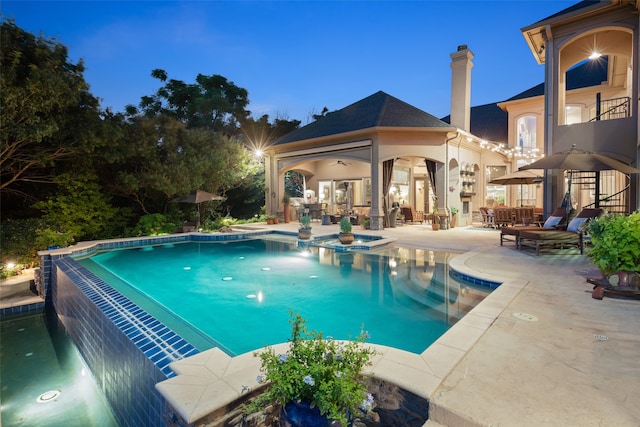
{"x": 511, "y": 234}
{"x": 411, "y": 215}
{"x": 572, "y": 236}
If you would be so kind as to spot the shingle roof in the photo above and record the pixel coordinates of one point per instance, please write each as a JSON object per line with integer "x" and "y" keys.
{"x": 488, "y": 122}
{"x": 589, "y": 73}
{"x": 377, "y": 110}
{"x": 577, "y": 6}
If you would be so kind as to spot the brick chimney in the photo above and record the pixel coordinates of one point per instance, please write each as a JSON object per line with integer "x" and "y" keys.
{"x": 461, "y": 87}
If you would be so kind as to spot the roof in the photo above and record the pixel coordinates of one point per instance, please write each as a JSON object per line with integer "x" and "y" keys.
{"x": 377, "y": 110}
{"x": 581, "y": 5}
{"x": 488, "y": 122}
{"x": 589, "y": 73}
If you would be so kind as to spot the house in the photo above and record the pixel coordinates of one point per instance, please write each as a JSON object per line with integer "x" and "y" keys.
{"x": 381, "y": 150}
{"x": 600, "y": 112}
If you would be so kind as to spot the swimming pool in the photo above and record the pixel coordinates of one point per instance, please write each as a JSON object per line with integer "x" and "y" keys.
{"x": 44, "y": 379}
{"x": 236, "y": 295}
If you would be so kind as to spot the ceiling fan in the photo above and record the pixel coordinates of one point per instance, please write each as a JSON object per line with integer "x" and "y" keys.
{"x": 341, "y": 163}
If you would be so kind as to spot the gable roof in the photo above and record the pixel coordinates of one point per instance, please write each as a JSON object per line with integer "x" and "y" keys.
{"x": 377, "y": 110}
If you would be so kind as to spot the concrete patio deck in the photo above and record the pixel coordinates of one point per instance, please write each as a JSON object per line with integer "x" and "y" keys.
{"x": 575, "y": 361}
{"x": 553, "y": 356}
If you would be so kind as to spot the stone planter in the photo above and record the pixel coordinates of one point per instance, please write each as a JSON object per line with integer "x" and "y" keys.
{"x": 346, "y": 238}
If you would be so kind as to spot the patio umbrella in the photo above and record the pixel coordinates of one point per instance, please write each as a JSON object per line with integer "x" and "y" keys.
{"x": 581, "y": 160}
{"x": 520, "y": 177}
{"x": 197, "y": 197}
{"x": 585, "y": 161}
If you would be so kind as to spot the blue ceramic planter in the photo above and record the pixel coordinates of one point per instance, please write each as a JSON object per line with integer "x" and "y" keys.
{"x": 301, "y": 414}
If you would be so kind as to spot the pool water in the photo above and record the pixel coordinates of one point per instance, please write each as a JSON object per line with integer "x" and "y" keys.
{"x": 237, "y": 295}
{"x": 38, "y": 361}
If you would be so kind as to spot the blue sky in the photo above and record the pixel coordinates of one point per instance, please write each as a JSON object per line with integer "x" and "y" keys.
{"x": 296, "y": 57}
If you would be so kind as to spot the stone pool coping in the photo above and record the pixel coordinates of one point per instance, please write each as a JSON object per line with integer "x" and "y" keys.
{"x": 212, "y": 379}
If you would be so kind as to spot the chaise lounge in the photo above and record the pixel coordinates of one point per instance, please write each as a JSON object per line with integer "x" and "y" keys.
{"x": 511, "y": 234}
{"x": 572, "y": 236}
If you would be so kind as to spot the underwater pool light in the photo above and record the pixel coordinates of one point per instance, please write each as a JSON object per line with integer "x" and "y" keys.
{"x": 48, "y": 396}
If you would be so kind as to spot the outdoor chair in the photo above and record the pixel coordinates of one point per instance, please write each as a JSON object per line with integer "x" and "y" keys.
{"x": 574, "y": 235}
{"x": 511, "y": 234}
{"x": 487, "y": 218}
{"x": 411, "y": 215}
{"x": 503, "y": 216}
{"x": 523, "y": 215}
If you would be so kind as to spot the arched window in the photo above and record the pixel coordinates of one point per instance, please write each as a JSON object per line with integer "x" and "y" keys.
{"x": 527, "y": 126}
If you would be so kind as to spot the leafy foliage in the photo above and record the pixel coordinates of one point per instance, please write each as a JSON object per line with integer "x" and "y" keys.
{"x": 324, "y": 372}
{"x": 17, "y": 237}
{"x": 616, "y": 242}
{"x": 153, "y": 225}
{"x": 345, "y": 225}
{"x": 80, "y": 211}
{"x": 212, "y": 102}
{"x": 47, "y": 114}
{"x": 305, "y": 222}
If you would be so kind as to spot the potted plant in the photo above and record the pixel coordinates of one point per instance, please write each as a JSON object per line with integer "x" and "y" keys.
{"x": 304, "y": 232}
{"x": 366, "y": 223}
{"x": 346, "y": 237}
{"x": 616, "y": 248}
{"x": 285, "y": 201}
{"x": 454, "y": 212}
{"x": 316, "y": 379}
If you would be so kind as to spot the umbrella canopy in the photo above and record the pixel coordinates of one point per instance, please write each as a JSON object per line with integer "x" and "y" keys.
{"x": 197, "y": 196}
{"x": 580, "y": 160}
{"x": 520, "y": 177}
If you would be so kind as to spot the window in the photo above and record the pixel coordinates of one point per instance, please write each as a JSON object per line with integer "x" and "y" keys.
{"x": 573, "y": 114}
{"x": 526, "y": 133}
{"x": 496, "y": 194}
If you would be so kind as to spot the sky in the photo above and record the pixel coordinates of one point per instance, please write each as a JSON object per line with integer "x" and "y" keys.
{"x": 295, "y": 57}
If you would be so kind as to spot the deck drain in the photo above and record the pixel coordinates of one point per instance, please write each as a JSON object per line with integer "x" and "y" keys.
{"x": 601, "y": 337}
{"x": 525, "y": 316}
{"x": 48, "y": 396}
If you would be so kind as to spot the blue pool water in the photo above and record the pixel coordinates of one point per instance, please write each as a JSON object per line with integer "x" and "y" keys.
{"x": 237, "y": 295}
{"x": 37, "y": 361}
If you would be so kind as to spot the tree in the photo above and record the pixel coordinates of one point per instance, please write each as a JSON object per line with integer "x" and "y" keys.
{"x": 81, "y": 211}
{"x": 159, "y": 158}
{"x": 47, "y": 114}
{"x": 212, "y": 102}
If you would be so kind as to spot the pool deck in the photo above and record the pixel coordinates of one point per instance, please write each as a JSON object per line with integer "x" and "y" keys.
{"x": 539, "y": 351}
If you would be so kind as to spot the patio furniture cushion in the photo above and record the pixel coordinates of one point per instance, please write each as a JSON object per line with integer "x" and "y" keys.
{"x": 552, "y": 221}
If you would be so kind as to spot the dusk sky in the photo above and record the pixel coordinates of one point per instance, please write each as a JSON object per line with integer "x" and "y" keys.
{"x": 296, "y": 57}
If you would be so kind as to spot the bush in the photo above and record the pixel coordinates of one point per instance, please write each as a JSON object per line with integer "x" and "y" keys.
{"x": 345, "y": 225}
{"x": 153, "y": 225}
{"x": 616, "y": 242}
{"x": 18, "y": 239}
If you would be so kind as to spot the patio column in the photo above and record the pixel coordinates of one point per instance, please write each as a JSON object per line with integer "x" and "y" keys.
{"x": 375, "y": 214}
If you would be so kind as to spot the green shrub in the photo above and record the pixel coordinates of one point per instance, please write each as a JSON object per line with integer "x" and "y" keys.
{"x": 345, "y": 225}
{"x": 616, "y": 242}
{"x": 153, "y": 225}
{"x": 18, "y": 239}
